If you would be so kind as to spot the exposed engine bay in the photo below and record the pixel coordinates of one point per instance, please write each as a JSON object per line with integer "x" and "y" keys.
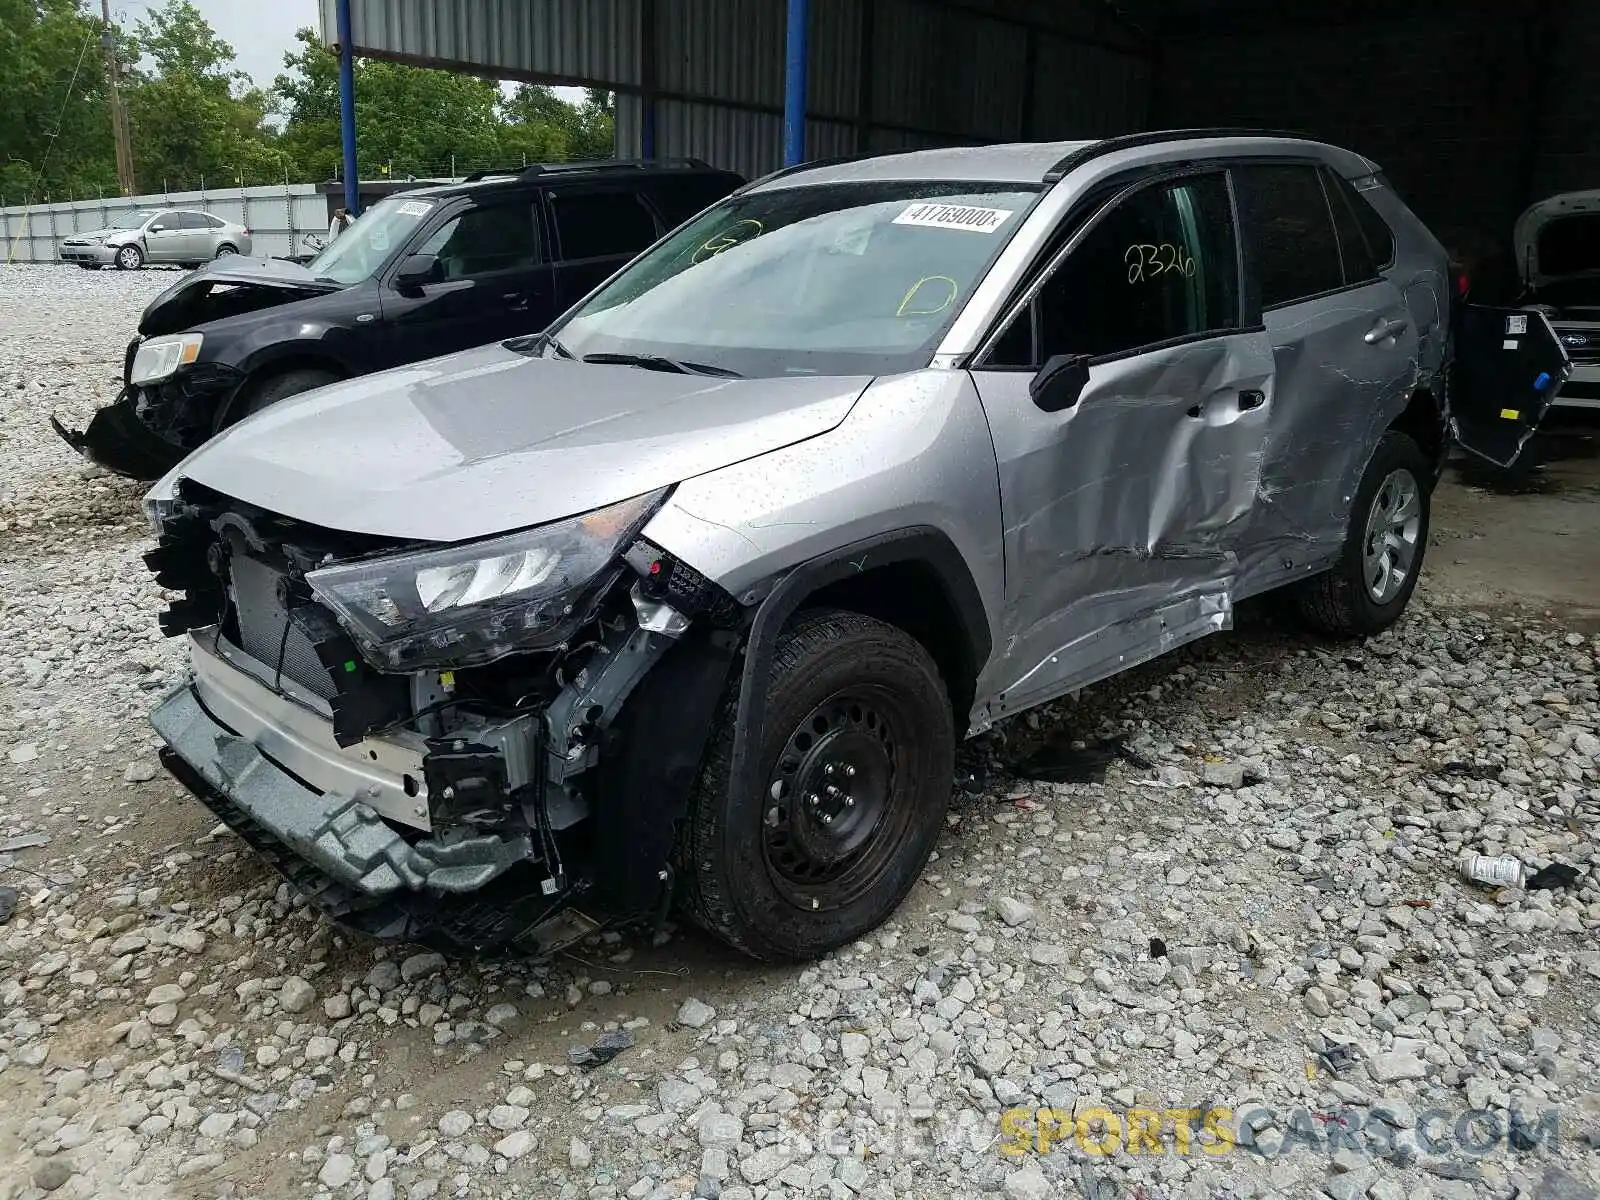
{"x": 456, "y": 794}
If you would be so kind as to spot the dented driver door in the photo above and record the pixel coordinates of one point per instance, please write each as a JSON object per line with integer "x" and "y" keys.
{"x": 1509, "y": 364}
{"x": 1126, "y": 505}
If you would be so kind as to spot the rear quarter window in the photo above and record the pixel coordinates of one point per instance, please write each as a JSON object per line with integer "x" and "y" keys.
{"x": 1289, "y": 226}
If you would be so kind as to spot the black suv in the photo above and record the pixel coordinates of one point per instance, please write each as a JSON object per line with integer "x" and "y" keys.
{"x": 422, "y": 273}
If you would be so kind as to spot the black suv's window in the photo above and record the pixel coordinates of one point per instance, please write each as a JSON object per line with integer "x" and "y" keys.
{"x": 481, "y": 241}
{"x": 679, "y": 199}
{"x": 1285, "y": 213}
{"x": 601, "y": 224}
{"x": 1159, "y": 267}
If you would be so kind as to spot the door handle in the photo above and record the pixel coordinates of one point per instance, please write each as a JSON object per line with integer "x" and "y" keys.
{"x": 1387, "y": 329}
{"x": 1251, "y": 398}
{"x": 516, "y": 300}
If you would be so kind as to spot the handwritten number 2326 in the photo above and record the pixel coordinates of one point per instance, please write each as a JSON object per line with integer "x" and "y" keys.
{"x": 1147, "y": 262}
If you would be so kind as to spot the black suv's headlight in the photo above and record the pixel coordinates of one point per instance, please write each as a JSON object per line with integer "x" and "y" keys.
{"x": 470, "y": 604}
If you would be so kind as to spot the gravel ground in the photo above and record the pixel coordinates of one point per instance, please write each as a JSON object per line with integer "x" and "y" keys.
{"x": 1255, "y": 908}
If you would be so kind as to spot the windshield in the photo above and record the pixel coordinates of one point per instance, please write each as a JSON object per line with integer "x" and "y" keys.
{"x": 359, "y": 251}
{"x": 132, "y": 220}
{"x": 843, "y": 279}
{"x": 1570, "y": 245}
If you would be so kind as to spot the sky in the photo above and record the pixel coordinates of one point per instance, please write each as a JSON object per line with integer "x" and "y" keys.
{"x": 261, "y": 32}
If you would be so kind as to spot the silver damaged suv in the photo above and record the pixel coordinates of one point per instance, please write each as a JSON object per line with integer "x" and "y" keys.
{"x": 690, "y": 598}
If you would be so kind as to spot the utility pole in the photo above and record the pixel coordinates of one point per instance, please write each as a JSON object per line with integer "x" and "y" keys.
{"x": 119, "y": 115}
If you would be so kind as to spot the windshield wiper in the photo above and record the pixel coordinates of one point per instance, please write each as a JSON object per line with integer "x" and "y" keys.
{"x": 657, "y": 362}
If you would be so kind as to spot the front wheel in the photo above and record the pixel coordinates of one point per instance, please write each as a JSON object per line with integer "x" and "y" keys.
{"x": 856, "y": 765}
{"x": 130, "y": 258}
{"x": 1370, "y": 586}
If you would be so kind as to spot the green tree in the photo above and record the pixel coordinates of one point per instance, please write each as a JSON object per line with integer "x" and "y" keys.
{"x": 195, "y": 118}
{"x": 543, "y": 126}
{"x": 55, "y": 128}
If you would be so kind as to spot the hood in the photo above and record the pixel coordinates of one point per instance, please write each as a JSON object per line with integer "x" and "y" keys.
{"x": 1559, "y": 238}
{"x": 274, "y": 280}
{"x": 96, "y": 235}
{"x": 490, "y": 441}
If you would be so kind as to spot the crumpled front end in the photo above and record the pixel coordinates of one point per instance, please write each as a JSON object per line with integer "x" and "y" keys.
{"x": 147, "y": 430}
{"x": 465, "y": 807}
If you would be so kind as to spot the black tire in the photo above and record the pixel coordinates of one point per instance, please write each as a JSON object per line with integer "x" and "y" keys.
{"x": 256, "y": 395}
{"x": 1342, "y": 601}
{"x": 227, "y": 248}
{"x": 129, "y": 257}
{"x": 844, "y": 689}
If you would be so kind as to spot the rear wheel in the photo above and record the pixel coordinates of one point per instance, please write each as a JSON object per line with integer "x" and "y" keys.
{"x": 225, "y": 249}
{"x": 1370, "y": 586}
{"x": 856, "y": 765}
{"x": 130, "y": 258}
{"x": 256, "y": 395}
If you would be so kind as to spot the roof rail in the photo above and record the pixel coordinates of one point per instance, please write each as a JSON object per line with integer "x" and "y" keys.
{"x": 811, "y": 164}
{"x": 1152, "y": 137}
{"x": 491, "y": 173}
{"x": 616, "y": 164}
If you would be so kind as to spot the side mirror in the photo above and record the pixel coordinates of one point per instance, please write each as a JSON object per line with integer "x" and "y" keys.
{"x": 1060, "y": 382}
{"x": 158, "y": 229}
{"x": 418, "y": 270}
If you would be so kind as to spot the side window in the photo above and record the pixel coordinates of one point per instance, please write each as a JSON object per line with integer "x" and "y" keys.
{"x": 482, "y": 241}
{"x": 1380, "y": 238}
{"x": 1162, "y": 265}
{"x": 601, "y": 224}
{"x": 214, "y": 222}
{"x": 1359, "y": 264}
{"x": 167, "y": 220}
{"x": 1285, "y": 213}
{"x": 679, "y": 199}
{"x": 192, "y": 220}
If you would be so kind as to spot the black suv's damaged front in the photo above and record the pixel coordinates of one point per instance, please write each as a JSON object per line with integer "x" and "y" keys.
{"x": 467, "y": 744}
{"x": 180, "y": 371}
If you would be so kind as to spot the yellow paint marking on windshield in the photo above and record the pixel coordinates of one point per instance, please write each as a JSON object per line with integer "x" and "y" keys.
{"x": 739, "y": 231}
{"x": 907, "y": 309}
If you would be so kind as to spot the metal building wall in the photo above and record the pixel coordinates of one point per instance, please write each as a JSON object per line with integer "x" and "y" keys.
{"x": 883, "y": 74}
{"x": 276, "y": 215}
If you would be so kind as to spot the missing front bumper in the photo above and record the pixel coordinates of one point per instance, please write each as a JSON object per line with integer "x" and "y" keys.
{"x": 341, "y": 837}
{"x": 119, "y": 441}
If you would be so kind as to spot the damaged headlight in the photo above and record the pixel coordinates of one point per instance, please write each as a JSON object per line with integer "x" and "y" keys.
{"x": 161, "y": 500}
{"x": 161, "y": 356}
{"x": 466, "y": 605}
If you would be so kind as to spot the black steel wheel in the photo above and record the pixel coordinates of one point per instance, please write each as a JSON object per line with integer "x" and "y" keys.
{"x": 857, "y": 758}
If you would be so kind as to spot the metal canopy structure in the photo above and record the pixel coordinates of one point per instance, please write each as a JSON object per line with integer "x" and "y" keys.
{"x": 729, "y": 80}
{"x": 1475, "y": 107}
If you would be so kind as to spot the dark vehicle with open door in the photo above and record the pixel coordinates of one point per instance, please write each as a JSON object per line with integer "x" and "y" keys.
{"x": 420, "y": 274}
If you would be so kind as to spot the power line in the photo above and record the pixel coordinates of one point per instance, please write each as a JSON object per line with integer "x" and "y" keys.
{"x": 51, "y": 146}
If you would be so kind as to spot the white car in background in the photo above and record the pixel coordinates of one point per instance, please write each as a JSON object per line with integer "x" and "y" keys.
{"x": 1558, "y": 256}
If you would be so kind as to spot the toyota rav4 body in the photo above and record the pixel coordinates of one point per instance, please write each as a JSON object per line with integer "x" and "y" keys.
{"x": 692, "y": 595}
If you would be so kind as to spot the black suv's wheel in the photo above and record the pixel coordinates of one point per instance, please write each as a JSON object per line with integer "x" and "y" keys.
{"x": 130, "y": 258}
{"x": 856, "y": 769}
{"x": 1368, "y": 589}
{"x": 254, "y": 395}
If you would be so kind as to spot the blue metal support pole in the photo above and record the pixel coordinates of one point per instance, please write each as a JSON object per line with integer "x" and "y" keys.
{"x": 794, "y": 85}
{"x": 347, "y": 109}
